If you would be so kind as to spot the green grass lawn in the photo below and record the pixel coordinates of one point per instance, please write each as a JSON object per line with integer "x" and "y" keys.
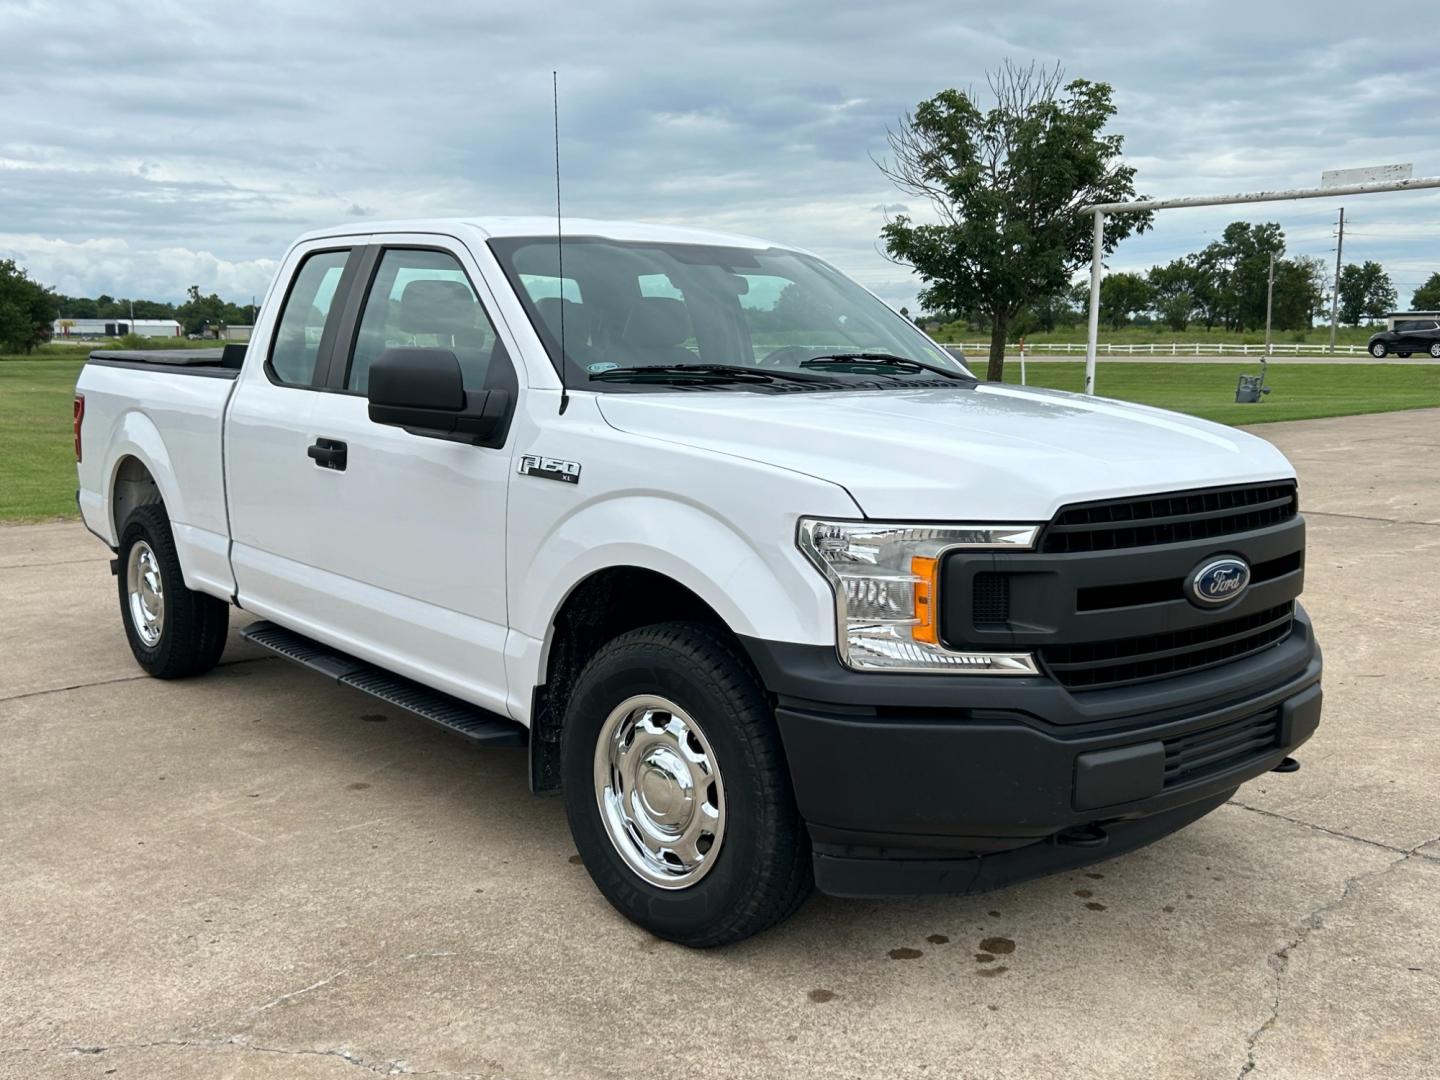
{"x": 37, "y": 451}
{"x": 1298, "y": 391}
{"x": 37, "y": 460}
{"x": 1318, "y": 336}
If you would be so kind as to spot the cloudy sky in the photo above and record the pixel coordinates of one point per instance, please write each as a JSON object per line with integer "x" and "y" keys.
{"x": 148, "y": 147}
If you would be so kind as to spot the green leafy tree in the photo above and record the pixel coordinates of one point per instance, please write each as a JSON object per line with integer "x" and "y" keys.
{"x": 1121, "y": 296}
{"x": 200, "y": 311}
{"x": 28, "y": 309}
{"x": 1174, "y": 290}
{"x": 1366, "y": 292}
{"x": 1299, "y": 293}
{"x": 1009, "y": 185}
{"x": 1232, "y": 273}
{"x": 1427, "y": 297}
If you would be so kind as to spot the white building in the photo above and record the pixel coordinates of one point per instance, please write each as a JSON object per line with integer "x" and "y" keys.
{"x": 94, "y": 328}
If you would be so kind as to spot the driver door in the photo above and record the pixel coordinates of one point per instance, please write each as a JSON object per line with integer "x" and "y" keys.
{"x": 414, "y": 527}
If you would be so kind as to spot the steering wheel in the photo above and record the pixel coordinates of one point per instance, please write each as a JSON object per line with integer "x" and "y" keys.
{"x": 787, "y": 356}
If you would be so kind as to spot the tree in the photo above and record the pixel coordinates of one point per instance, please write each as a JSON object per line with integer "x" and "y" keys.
{"x": 1366, "y": 292}
{"x": 1232, "y": 272}
{"x": 1299, "y": 293}
{"x": 1174, "y": 290}
{"x": 1427, "y": 297}
{"x": 1010, "y": 186}
{"x": 1122, "y": 295}
{"x": 28, "y": 309}
{"x": 199, "y": 311}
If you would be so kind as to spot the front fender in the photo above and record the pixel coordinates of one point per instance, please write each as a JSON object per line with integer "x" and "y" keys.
{"x": 766, "y": 590}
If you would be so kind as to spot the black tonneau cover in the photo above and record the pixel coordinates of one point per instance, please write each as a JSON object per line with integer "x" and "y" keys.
{"x": 221, "y": 363}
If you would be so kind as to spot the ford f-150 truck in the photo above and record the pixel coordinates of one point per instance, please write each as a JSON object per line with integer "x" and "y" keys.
{"x": 774, "y": 591}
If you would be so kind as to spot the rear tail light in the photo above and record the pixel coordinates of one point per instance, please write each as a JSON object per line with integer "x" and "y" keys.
{"x": 79, "y": 419}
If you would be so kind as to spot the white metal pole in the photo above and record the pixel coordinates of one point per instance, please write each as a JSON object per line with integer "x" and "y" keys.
{"x": 1096, "y": 268}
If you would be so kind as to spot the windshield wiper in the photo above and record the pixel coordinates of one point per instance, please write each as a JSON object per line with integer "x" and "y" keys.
{"x": 880, "y": 359}
{"x": 711, "y": 373}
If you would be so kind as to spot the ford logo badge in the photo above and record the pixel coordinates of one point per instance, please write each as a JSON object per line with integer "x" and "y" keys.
{"x": 1219, "y": 581}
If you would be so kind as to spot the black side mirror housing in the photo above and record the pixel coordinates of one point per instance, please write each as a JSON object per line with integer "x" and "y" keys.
{"x": 423, "y": 391}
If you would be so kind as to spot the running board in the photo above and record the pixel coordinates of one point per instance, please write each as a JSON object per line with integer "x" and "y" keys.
{"x": 471, "y": 722}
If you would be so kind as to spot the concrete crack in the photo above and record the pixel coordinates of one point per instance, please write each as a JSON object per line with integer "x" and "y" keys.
{"x": 392, "y": 1067}
{"x": 119, "y": 679}
{"x": 1407, "y": 852}
{"x": 1279, "y": 960}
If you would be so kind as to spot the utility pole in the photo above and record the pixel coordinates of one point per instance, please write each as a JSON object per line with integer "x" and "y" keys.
{"x": 1335, "y": 292}
{"x": 1269, "y": 303}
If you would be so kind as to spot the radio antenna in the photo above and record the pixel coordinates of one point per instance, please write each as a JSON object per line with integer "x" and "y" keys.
{"x": 559, "y": 239}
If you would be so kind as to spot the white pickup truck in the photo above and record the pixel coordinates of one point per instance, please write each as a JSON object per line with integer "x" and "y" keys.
{"x": 773, "y": 589}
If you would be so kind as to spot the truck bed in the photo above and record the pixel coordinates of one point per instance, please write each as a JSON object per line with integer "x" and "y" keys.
{"x": 223, "y": 363}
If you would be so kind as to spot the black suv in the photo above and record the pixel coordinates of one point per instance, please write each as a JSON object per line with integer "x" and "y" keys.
{"x": 1409, "y": 336}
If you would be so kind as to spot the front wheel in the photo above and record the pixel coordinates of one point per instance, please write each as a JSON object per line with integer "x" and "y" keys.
{"x": 677, "y": 791}
{"x": 1378, "y": 350}
{"x": 173, "y": 631}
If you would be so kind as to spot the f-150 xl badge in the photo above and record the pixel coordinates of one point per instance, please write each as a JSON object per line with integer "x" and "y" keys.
{"x": 550, "y": 468}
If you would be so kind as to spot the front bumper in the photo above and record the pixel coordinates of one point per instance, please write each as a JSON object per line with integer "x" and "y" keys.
{"x": 937, "y": 783}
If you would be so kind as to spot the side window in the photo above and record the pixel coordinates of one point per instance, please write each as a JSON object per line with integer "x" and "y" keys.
{"x": 302, "y": 322}
{"x": 423, "y": 298}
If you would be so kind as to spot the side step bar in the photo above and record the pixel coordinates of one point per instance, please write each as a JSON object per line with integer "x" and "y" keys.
{"x": 480, "y": 726}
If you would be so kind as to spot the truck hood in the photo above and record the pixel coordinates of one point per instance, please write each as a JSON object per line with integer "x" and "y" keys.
{"x": 982, "y": 453}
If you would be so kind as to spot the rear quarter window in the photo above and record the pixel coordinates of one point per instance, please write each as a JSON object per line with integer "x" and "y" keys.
{"x": 301, "y": 327}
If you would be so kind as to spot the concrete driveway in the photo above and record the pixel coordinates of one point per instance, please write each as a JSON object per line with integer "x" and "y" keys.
{"x": 258, "y": 874}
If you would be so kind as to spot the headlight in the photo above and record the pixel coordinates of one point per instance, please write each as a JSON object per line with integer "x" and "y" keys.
{"x": 887, "y": 584}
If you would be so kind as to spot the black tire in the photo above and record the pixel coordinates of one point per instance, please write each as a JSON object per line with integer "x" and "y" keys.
{"x": 192, "y": 634}
{"x": 1379, "y": 350}
{"x": 1435, "y": 350}
{"x": 761, "y": 871}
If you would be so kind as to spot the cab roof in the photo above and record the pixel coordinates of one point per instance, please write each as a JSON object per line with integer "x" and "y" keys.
{"x": 487, "y": 227}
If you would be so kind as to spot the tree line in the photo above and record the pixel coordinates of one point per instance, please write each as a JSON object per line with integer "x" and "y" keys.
{"x": 28, "y": 310}
{"x": 1224, "y": 286}
{"x": 194, "y": 314}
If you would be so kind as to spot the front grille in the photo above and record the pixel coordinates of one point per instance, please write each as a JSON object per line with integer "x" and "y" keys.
{"x": 1199, "y": 754}
{"x": 1134, "y": 593}
{"x": 1169, "y": 519}
{"x": 1097, "y": 664}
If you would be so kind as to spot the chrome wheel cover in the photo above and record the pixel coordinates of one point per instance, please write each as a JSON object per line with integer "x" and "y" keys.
{"x": 659, "y": 791}
{"x": 1377, "y": 350}
{"x": 147, "y": 593}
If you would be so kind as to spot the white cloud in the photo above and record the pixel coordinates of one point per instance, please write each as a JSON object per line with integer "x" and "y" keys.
{"x": 196, "y": 159}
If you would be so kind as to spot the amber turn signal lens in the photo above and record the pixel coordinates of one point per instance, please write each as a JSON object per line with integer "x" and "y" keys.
{"x": 927, "y": 625}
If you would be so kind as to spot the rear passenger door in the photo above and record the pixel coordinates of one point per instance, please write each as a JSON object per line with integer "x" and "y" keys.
{"x": 275, "y": 541}
{"x": 414, "y": 527}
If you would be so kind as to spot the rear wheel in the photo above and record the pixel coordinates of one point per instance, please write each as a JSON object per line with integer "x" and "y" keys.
{"x": 173, "y": 631}
{"x": 1435, "y": 350}
{"x": 1378, "y": 349}
{"x": 677, "y": 791}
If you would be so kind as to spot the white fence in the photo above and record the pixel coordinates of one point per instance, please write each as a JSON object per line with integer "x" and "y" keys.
{"x": 1173, "y": 348}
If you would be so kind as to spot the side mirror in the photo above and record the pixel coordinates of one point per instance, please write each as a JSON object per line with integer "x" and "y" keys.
{"x": 423, "y": 391}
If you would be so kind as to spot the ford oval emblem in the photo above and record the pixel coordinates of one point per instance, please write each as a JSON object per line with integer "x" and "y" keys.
{"x": 1219, "y": 581}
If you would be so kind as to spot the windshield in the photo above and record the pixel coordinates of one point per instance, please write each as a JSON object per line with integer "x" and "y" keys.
{"x": 629, "y": 305}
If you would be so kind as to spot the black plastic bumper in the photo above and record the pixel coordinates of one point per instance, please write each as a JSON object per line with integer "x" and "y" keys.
{"x": 921, "y": 784}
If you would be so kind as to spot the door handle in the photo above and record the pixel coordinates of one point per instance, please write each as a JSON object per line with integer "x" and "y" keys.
{"x": 328, "y": 454}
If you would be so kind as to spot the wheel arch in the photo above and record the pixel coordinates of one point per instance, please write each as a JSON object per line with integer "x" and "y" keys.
{"x": 140, "y": 472}
{"x": 598, "y": 608}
